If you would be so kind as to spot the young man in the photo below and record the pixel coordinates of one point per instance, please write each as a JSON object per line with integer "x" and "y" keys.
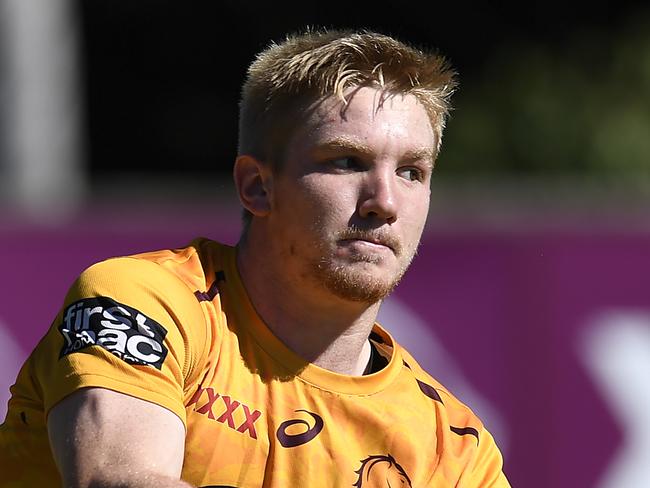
{"x": 262, "y": 365}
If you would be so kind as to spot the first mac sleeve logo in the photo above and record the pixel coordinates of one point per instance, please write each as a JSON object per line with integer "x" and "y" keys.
{"x": 122, "y": 330}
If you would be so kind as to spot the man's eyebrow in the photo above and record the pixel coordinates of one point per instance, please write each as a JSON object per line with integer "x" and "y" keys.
{"x": 346, "y": 144}
{"x": 424, "y": 154}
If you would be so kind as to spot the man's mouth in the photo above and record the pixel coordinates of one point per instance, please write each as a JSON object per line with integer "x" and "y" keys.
{"x": 372, "y": 237}
{"x": 373, "y": 242}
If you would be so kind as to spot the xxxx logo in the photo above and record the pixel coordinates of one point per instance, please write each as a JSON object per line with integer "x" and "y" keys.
{"x": 297, "y": 439}
{"x": 225, "y": 409}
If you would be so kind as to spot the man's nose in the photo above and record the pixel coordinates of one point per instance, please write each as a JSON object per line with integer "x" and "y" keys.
{"x": 378, "y": 197}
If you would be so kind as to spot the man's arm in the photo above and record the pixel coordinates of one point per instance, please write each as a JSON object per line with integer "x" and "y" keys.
{"x": 101, "y": 438}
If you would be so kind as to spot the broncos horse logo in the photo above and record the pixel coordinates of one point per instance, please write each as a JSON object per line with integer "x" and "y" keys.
{"x": 382, "y": 472}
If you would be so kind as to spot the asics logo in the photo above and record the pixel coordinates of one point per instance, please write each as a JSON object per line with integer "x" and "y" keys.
{"x": 289, "y": 439}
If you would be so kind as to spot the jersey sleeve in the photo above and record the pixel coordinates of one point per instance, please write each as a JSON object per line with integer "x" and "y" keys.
{"x": 471, "y": 457}
{"x": 474, "y": 446}
{"x": 485, "y": 470}
{"x": 128, "y": 325}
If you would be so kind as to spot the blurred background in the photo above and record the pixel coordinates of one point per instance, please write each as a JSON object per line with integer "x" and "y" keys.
{"x": 529, "y": 298}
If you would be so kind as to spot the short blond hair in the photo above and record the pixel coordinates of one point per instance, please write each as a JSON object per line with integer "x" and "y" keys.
{"x": 314, "y": 65}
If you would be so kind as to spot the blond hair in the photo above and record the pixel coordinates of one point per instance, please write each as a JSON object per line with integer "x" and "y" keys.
{"x": 314, "y": 65}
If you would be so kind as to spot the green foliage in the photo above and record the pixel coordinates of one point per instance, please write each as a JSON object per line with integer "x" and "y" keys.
{"x": 582, "y": 107}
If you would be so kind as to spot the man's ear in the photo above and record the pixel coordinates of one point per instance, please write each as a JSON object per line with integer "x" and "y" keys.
{"x": 254, "y": 184}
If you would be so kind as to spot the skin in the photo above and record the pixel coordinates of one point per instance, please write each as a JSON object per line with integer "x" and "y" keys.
{"x": 101, "y": 438}
{"x": 364, "y": 166}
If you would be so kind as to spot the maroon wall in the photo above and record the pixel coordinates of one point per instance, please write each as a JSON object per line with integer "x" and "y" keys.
{"x": 508, "y": 320}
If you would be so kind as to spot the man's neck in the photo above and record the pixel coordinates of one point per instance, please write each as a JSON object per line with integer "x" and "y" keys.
{"x": 324, "y": 329}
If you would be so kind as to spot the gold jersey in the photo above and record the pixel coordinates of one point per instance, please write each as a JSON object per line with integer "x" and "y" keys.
{"x": 176, "y": 328}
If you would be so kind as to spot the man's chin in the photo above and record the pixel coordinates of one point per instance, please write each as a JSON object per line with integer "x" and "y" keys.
{"x": 354, "y": 283}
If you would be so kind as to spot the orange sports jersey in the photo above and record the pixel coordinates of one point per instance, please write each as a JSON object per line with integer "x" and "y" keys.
{"x": 176, "y": 328}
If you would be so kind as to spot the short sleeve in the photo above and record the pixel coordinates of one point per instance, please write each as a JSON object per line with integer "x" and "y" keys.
{"x": 476, "y": 448}
{"x": 128, "y": 325}
{"x": 486, "y": 469}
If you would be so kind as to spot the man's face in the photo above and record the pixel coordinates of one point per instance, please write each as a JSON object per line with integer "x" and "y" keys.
{"x": 352, "y": 195}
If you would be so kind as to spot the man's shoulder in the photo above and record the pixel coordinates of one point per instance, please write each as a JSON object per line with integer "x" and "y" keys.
{"x": 418, "y": 371}
{"x": 191, "y": 264}
{"x": 392, "y": 350}
{"x": 430, "y": 386}
{"x": 199, "y": 252}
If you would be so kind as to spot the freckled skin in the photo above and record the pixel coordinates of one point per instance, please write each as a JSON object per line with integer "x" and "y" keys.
{"x": 353, "y": 169}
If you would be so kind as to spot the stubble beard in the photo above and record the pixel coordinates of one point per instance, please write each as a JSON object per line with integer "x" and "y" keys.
{"x": 348, "y": 282}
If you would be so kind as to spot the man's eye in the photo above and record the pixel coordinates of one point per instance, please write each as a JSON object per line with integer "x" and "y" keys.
{"x": 411, "y": 174}
{"x": 345, "y": 163}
